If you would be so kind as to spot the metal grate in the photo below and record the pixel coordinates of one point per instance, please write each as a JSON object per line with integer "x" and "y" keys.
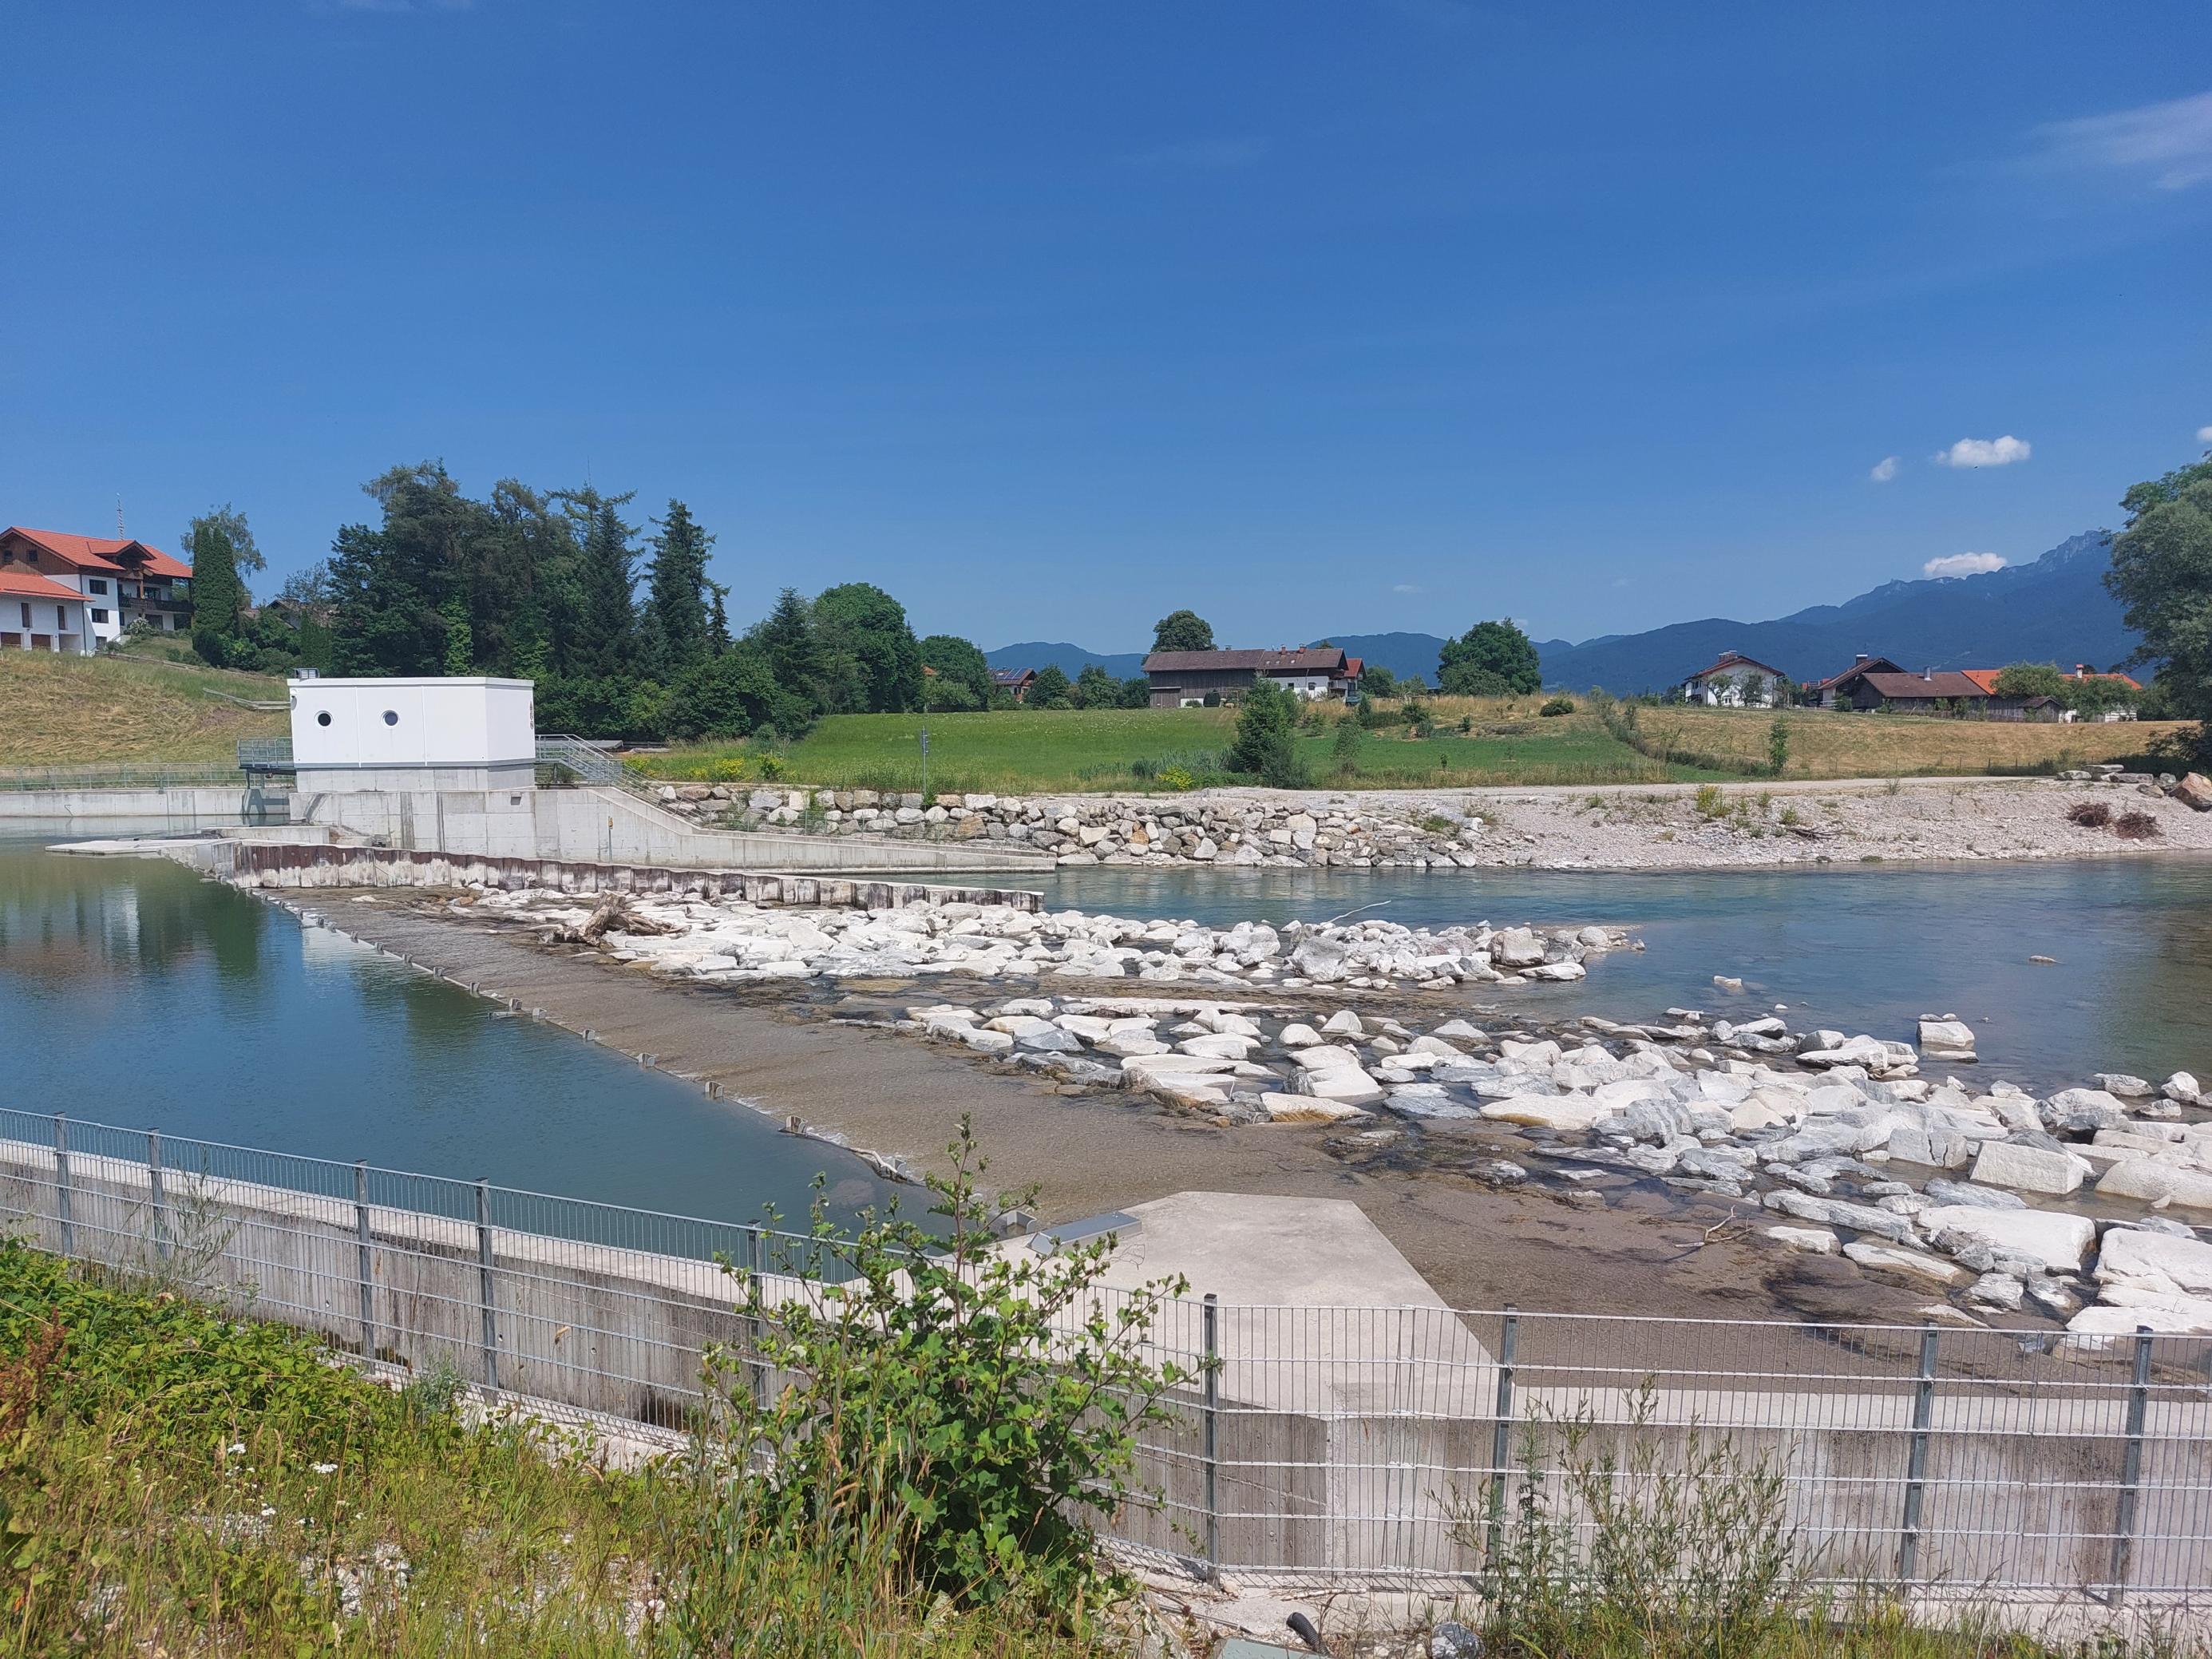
{"x": 1332, "y": 1444}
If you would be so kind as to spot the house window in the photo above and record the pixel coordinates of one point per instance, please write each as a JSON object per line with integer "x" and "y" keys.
{"x": 26, "y": 613}
{"x": 99, "y": 614}
{"x": 96, "y": 585}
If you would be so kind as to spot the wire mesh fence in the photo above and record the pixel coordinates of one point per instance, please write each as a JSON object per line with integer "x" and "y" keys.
{"x": 1334, "y": 1444}
{"x": 123, "y": 775}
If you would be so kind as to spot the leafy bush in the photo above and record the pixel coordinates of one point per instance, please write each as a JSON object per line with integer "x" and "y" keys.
{"x": 2089, "y": 814}
{"x": 1681, "y": 1552}
{"x": 1175, "y": 778}
{"x": 1777, "y": 745}
{"x": 1711, "y": 803}
{"x": 1266, "y": 745}
{"x": 1344, "y": 747}
{"x": 948, "y": 1412}
{"x": 771, "y": 767}
{"x": 1555, "y": 706}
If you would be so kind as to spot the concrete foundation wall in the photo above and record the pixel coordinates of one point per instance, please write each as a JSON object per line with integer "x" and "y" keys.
{"x": 298, "y": 867}
{"x": 2022, "y": 1485}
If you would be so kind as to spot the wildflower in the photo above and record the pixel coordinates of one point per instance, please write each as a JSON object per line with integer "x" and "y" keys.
{"x": 324, "y": 1469}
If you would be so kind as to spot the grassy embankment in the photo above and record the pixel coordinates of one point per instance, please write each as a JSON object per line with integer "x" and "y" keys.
{"x": 1507, "y": 743}
{"x": 99, "y": 711}
{"x": 176, "y": 1480}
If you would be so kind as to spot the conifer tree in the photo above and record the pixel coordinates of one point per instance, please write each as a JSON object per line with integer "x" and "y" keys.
{"x": 676, "y": 610}
{"x": 218, "y": 595}
{"x": 605, "y": 640}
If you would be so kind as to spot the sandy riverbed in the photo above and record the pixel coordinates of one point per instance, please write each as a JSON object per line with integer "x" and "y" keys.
{"x": 1640, "y": 1252}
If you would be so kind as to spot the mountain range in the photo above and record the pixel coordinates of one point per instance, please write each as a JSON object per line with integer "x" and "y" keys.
{"x": 2052, "y": 610}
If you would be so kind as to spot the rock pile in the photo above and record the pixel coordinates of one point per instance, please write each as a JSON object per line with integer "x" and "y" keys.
{"x": 1837, "y": 1137}
{"x": 727, "y": 939}
{"x": 1310, "y": 831}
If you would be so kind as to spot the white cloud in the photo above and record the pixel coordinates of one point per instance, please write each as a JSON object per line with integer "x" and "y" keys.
{"x": 2204, "y": 434}
{"x": 1203, "y": 154}
{"x": 1963, "y": 564}
{"x": 1406, "y": 587}
{"x": 2171, "y": 142}
{"x": 1883, "y": 470}
{"x": 1984, "y": 451}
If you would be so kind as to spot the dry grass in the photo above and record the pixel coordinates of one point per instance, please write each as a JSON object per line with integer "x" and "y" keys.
{"x": 90, "y": 711}
{"x": 1824, "y": 744}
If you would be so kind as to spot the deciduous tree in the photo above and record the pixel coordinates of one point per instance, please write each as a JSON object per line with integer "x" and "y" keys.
{"x": 1182, "y": 630}
{"x": 2162, "y": 573}
{"x": 1489, "y": 658}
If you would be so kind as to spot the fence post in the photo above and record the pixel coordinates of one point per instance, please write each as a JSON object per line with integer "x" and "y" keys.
{"x": 366, "y": 1260}
{"x": 484, "y": 1285}
{"x": 158, "y": 1198}
{"x": 2123, "y": 1529}
{"x": 755, "y": 1368}
{"x": 61, "y": 1185}
{"x": 1501, "y": 1433}
{"x": 1209, "y": 1433}
{"x": 1916, "y": 1468}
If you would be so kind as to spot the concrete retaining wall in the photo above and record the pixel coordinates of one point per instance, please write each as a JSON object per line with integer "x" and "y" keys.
{"x": 598, "y": 825}
{"x": 295, "y": 866}
{"x": 182, "y": 808}
{"x": 2021, "y": 1483}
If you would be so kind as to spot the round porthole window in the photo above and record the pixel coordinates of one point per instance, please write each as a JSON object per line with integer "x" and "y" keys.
{"x": 391, "y": 717}
{"x": 323, "y": 719}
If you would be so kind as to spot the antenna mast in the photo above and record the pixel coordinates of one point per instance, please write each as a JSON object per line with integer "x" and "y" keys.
{"x": 119, "y": 517}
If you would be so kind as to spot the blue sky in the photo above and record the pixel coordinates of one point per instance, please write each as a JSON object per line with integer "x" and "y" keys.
{"x": 1319, "y": 318}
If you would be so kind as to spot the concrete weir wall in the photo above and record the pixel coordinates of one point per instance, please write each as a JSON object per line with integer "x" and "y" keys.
{"x": 601, "y": 825}
{"x": 178, "y": 808}
{"x": 2018, "y": 1488}
{"x": 293, "y": 866}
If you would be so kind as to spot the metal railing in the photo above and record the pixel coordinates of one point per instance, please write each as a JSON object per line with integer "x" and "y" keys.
{"x": 123, "y": 775}
{"x": 590, "y": 762}
{"x": 1337, "y": 1444}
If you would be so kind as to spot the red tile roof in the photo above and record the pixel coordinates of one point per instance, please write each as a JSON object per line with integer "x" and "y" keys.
{"x": 1730, "y": 662}
{"x": 32, "y": 585}
{"x": 103, "y": 553}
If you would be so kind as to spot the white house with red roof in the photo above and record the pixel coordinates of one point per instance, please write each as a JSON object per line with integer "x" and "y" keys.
{"x": 60, "y": 592}
{"x": 1736, "y": 681}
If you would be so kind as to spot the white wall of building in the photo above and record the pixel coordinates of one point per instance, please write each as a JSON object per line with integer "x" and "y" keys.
{"x": 61, "y": 623}
{"x": 388, "y": 723}
{"x": 1309, "y": 686}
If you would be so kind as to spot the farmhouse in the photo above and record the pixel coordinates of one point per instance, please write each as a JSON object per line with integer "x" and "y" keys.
{"x": 1015, "y": 681}
{"x": 1877, "y": 683}
{"x": 113, "y": 583}
{"x": 1187, "y": 680}
{"x": 1735, "y": 681}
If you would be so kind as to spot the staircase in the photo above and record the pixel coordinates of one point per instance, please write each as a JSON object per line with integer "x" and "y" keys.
{"x": 588, "y": 762}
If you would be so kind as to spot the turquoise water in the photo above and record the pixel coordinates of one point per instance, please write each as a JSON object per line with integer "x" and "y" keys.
{"x": 133, "y": 993}
{"x": 1859, "y": 948}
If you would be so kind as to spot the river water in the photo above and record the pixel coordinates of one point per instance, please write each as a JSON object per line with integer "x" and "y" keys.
{"x": 133, "y": 993}
{"x": 1858, "y": 949}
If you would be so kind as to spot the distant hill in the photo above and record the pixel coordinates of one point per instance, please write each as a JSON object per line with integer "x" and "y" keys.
{"x": 2054, "y": 609}
{"x": 1122, "y": 665}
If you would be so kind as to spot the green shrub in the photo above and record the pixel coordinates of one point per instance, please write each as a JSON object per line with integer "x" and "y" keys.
{"x": 1556, "y": 706}
{"x": 1175, "y": 778}
{"x": 1711, "y": 803}
{"x": 945, "y": 1414}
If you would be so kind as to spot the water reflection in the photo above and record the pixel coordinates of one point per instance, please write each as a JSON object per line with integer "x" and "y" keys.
{"x": 134, "y": 993}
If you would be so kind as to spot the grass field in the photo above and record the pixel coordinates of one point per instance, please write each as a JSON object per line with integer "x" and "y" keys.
{"x": 1824, "y": 744}
{"x": 1507, "y": 743}
{"x": 1102, "y": 750}
{"x": 91, "y": 711}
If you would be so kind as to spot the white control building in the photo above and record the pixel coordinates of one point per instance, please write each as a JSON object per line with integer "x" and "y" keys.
{"x": 408, "y": 734}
